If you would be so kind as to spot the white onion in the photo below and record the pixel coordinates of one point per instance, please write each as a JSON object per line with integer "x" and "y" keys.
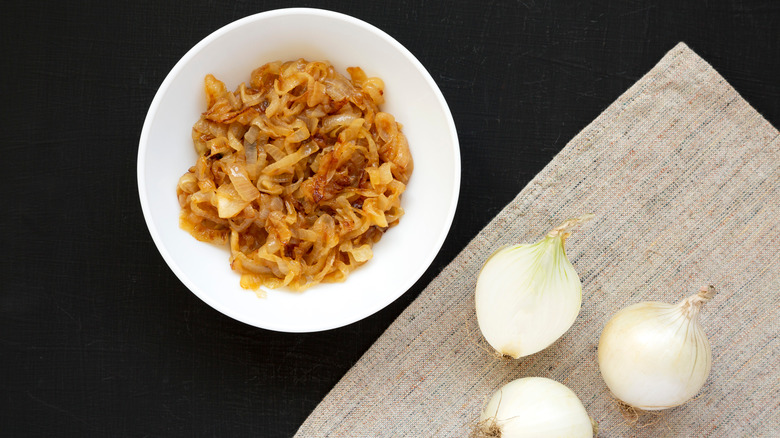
{"x": 535, "y": 407}
{"x": 529, "y": 295}
{"x": 655, "y": 355}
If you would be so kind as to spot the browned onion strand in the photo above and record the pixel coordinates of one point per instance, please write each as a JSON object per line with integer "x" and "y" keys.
{"x": 299, "y": 172}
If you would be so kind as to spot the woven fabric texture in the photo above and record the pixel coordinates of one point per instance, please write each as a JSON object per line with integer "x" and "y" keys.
{"x": 683, "y": 176}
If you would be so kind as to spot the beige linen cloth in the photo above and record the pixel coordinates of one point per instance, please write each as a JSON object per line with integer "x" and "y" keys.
{"x": 683, "y": 176}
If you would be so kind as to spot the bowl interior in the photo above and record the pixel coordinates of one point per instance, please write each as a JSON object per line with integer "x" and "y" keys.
{"x": 230, "y": 54}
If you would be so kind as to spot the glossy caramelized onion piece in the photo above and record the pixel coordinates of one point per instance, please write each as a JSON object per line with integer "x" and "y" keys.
{"x": 299, "y": 172}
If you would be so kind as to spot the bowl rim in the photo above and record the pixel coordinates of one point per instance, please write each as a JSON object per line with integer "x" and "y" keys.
{"x": 171, "y": 76}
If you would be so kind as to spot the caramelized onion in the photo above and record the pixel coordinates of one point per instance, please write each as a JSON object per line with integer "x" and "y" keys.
{"x": 299, "y": 172}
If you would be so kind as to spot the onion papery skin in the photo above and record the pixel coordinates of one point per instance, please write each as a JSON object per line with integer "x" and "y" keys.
{"x": 535, "y": 407}
{"x": 654, "y": 356}
{"x": 527, "y": 296}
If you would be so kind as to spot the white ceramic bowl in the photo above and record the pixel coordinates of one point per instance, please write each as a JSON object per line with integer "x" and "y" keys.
{"x": 230, "y": 54}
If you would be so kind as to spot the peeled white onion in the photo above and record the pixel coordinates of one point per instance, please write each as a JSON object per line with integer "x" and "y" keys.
{"x": 529, "y": 295}
{"x": 655, "y": 355}
{"x": 535, "y": 407}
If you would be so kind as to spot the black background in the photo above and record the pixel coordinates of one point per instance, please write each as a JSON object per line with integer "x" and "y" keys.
{"x": 97, "y": 335}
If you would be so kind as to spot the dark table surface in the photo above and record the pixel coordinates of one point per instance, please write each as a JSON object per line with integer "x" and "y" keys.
{"x": 97, "y": 335}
